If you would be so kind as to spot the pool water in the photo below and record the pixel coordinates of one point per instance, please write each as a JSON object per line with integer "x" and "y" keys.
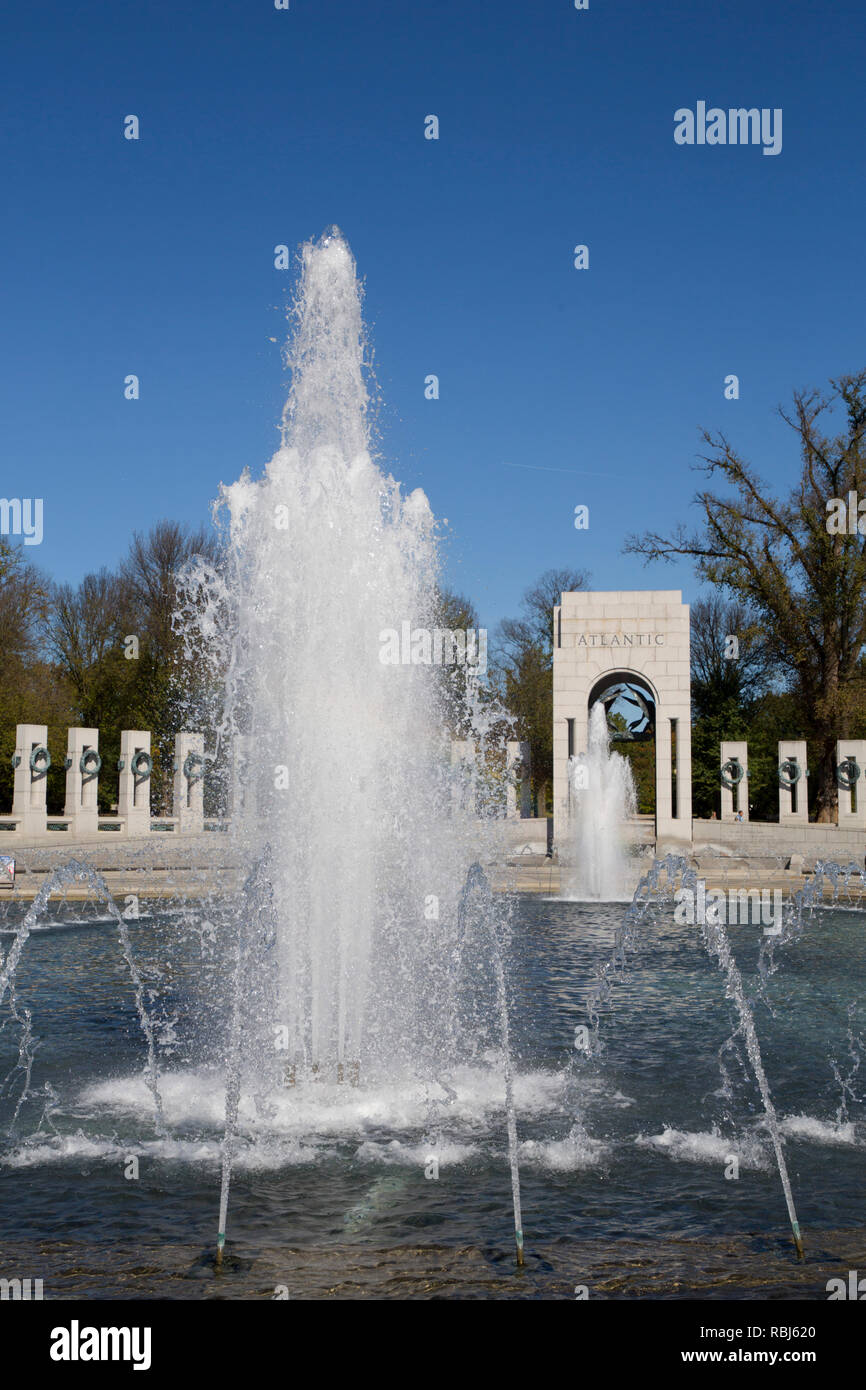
{"x": 646, "y": 1168}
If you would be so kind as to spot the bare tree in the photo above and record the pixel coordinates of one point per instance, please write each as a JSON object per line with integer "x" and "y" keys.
{"x": 805, "y": 583}
{"x": 150, "y": 572}
{"x": 23, "y": 604}
{"x": 523, "y": 662}
{"x": 86, "y": 627}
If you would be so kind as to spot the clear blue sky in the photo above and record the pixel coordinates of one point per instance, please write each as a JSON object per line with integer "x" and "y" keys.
{"x": 261, "y": 127}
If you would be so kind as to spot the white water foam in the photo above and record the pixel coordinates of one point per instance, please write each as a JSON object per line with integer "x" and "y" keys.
{"x": 81, "y": 1148}
{"x": 311, "y": 1114}
{"x": 705, "y": 1146}
{"x": 577, "y": 1151}
{"x": 395, "y": 1153}
{"x": 815, "y": 1131}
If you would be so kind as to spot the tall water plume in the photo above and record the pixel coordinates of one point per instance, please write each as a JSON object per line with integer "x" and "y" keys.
{"x": 342, "y": 780}
{"x": 603, "y": 798}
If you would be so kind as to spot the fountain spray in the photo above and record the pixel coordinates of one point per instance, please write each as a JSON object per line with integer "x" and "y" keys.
{"x": 232, "y": 1101}
{"x": 602, "y": 798}
{"x": 476, "y": 905}
{"x": 717, "y": 945}
{"x": 256, "y": 914}
{"x": 509, "y": 1104}
{"x": 338, "y": 759}
{"x": 76, "y": 872}
{"x": 716, "y": 942}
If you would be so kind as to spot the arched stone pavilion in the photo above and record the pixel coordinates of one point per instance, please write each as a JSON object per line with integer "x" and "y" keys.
{"x": 637, "y": 639}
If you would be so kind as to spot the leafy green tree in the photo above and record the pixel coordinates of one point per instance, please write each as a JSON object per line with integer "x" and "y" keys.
{"x": 731, "y": 672}
{"x": 165, "y": 685}
{"x": 767, "y": 718}
{"x": 30, "y": 691}
{"x": 153, "y": 688}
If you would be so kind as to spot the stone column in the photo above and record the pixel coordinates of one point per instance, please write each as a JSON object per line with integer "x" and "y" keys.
{"x": 82, "y": 780}
{"x": 562, "y": 795}
{"x": 133, "y": 801}
{"x": 189, "y": 782}
{"x": 518, "y": 764}
{"x": 673, "y": 822}
{"x": 241, "y": 796}
{"x": 852, "y": 800}
{"x": 664, "y": 813}
{"x": 793, "y": 750}
{"x": 684, "y": 769}
{"x": 732, "y": 801}
{"x": 462, "y": 758}
{"x": 29, "y": 787}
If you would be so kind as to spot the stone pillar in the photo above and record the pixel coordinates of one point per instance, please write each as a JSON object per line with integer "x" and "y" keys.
{"x": 29, "y": 788}
{"x": 82, "y": 780}
{"x": 518, "y": 764}
{"x": 189, "y": 782}
{"x": 664, "y": 811}
{"x": 570, "y": 737}
{"x": 462, "y": 758}
{"x": 733, "y": 801}
{"x": 241, "y": 797}
{"x": 794, "y": 800}
{"x": 673, "y": 774}
{"x": 133, "y": 801}
{"x": 684, "y": 768}
{"x": 852, "y": 800}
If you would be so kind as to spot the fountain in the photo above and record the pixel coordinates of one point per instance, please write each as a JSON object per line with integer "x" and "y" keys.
{"x": 358, "y": 999}
{"x": 456, "y": 1114}
{"x": 603, "y": 797}
{"x": 344, "y": 794}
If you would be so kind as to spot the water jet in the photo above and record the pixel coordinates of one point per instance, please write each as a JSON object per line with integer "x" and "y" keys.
{"x": 603, "y": 800}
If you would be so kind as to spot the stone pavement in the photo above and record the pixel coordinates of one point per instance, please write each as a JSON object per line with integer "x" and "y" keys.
{"x": 199, "y": 865}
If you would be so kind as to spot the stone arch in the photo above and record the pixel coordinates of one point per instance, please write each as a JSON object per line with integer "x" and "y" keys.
{"x": 640, "y": 638}
{"x": 622, "y": 675}
{"x": 638, "y": 702}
